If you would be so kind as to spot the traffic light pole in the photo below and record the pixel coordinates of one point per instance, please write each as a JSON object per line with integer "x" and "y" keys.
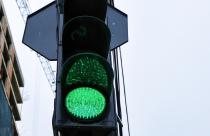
{"x": 59, "y": 59}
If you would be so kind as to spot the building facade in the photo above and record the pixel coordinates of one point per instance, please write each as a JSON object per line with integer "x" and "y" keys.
{"x": 11, "y": 80}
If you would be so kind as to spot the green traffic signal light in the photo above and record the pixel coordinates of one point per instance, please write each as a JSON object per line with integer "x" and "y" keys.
{"x": 87, "y": 70}
{"x": 86, "y": 81}
{"x": 85, "y": 103}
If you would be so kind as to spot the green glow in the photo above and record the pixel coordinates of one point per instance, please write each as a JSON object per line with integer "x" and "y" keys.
{"x": 85, "y": 103}
{"x": 87, "y": 70}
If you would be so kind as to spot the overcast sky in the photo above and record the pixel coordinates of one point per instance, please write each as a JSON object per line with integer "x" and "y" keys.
{"x": 166, "y": 65}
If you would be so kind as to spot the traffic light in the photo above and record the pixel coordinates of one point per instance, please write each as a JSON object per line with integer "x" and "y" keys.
{"x": 87, "y": 105}
{"x": 86, "y": 84}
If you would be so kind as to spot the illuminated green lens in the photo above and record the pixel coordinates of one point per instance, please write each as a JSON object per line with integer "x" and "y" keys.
{"x": 85, "y": 103}
{"x": 87, "y": 70}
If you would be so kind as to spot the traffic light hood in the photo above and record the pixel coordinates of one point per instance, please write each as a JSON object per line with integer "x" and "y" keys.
{"x": 86, "y": 34}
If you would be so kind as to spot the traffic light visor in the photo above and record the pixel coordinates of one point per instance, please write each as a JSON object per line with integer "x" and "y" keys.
{"x": 85, "y": 34}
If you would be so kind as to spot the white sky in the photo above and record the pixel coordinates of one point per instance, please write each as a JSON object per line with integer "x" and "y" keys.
{"x": 166, "y": 65}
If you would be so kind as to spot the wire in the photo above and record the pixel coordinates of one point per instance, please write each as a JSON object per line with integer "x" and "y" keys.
{"x": 117, "y": 87}
{"x": 123, "y": 80}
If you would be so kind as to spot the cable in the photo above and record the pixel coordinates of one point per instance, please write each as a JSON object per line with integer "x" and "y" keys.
{"x": 123, "y": 80}
{"x": 117, "y": 87}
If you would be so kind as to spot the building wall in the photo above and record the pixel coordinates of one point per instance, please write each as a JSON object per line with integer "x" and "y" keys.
{"x": 11, "y": 79}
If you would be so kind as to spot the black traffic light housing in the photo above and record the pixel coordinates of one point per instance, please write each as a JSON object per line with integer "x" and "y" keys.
{"x": 95, "y": 8}
{"x": 84, "y": 52}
